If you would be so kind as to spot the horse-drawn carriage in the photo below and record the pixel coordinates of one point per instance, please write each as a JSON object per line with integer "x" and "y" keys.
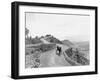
{"x": 58, "y": 50}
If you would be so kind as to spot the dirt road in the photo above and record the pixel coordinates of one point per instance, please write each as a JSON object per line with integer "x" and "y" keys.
{"x": 51, "y": 59}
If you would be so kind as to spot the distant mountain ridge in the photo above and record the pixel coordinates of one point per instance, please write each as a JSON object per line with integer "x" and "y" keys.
{"x": 84, "y": 45}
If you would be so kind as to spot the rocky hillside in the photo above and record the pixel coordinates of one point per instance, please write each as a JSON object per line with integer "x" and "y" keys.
{"x": 52, "y": 39}
{"x": 77, "y": 56}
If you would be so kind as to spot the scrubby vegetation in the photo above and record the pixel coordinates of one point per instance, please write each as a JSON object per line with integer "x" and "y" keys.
{"x": 43, "y": 47}
{"x": 53, "y": 39}
{"x": 33, "y": 54}
{"x": 31, "y": 40}
{"x": 76, "y": 55}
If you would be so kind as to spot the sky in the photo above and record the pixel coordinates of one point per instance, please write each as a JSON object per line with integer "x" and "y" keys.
{"x": 72, "y": 27}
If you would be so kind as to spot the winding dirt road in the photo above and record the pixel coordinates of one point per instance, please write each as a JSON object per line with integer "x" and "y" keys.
{"x": 51, "y": 59}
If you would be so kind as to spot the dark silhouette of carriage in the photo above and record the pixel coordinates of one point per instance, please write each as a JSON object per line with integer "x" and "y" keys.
{"x": 58, "y": 50}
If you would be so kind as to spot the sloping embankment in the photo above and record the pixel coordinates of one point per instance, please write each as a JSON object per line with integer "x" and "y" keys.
{"x": 76, "y": 57}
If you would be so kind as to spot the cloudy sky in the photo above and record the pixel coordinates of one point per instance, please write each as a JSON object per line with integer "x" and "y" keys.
{"x": 73, "y": 27}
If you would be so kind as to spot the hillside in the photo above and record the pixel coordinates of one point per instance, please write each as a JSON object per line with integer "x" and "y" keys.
{"x": 47, "y": 39}
{"x": 41, "y": 52}
{"x": 68, "y": 43}
{"x": 52, "y": 39}
{"x": 77, "y": 56}
{"x": 32, "y": 41}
